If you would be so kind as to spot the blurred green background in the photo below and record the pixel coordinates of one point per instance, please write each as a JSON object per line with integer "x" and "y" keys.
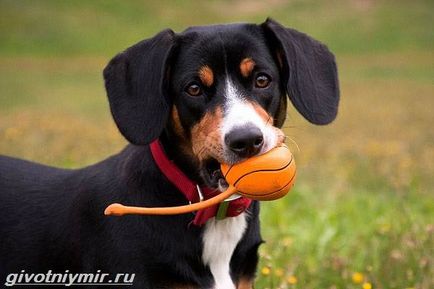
{"x": 362, "y": 212}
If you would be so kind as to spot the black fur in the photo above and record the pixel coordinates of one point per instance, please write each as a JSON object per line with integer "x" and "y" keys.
{"x": 137, "y": 90}
{"x": 309, "y": 70}
{"x": 52, "y": 219}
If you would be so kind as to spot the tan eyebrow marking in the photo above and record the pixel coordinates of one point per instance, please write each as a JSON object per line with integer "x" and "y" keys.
{"x": 206, "y": 75}
{"x": 246, "y": 66}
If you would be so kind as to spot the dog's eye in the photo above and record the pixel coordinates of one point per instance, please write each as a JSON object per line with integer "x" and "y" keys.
{"x": 194, "y": 89}
{"x": 262, "y": 80}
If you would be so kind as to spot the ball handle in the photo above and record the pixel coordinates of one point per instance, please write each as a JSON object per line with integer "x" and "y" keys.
{"x": 117, "y": 209}
{"x": 249, "y": 187}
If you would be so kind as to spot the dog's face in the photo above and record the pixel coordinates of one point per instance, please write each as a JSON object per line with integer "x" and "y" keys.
{"x": 221, "y": 90}
{"x": 227, "y": 93}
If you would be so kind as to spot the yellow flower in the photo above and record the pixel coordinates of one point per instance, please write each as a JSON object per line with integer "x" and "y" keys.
{"x": 279, "y": 272}
{"x": 266, "y": 271}
{"x": 385, "y": 228}
{"x": 357, "y": 277}
{"x": 292, "y": 280}
{"x": 367, "y": 285}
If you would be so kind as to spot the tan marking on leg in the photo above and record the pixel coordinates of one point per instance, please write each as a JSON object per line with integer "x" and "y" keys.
{"x": 245, "y": 283}
{"x": 246, "y": 66}
{"x": 206, "y": 138}
{"x": 206, "y": 75}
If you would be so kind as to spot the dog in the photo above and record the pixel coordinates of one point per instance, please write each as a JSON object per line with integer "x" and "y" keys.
{"x": 191, "y": 100}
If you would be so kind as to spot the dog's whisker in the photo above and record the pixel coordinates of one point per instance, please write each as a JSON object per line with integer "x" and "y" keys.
{"x": 294, "y": 142}
{"x": 216, "y": 117}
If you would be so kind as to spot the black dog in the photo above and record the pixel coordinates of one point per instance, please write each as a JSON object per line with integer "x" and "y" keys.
{"x": 207, "y": 95}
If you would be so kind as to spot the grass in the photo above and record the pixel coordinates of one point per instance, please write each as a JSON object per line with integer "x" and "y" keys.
{"x": 361, "y": 213}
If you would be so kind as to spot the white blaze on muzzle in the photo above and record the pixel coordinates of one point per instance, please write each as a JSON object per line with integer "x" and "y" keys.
{"x": 239, "y": 112}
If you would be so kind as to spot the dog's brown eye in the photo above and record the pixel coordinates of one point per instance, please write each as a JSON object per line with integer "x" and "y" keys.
{"x": 262, "y": 81}
{"x": 194, "y": 89}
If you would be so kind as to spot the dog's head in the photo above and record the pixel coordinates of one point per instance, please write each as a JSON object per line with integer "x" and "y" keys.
{"x": 220, "y": 91}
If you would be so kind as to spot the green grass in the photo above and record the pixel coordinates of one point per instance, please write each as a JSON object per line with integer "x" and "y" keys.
{"x": 105, "y": 27}
{"x": 364, "y": 198}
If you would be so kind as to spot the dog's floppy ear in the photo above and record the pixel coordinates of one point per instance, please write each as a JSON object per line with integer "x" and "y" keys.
{"x": 309, "y": 71}
{"x": 135, "y": 81}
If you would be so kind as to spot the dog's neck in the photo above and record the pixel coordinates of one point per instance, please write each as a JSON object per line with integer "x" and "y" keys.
{"x": 177, "y": 150}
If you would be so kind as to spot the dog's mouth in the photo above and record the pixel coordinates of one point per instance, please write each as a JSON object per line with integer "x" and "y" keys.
{"x": 213, "y": 175}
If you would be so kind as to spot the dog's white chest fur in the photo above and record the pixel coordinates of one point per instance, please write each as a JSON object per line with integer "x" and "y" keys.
{"x": 219, "y": 241}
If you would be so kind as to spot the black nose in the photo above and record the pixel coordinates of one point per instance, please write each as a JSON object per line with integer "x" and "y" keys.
{"x": 245, "y": 141}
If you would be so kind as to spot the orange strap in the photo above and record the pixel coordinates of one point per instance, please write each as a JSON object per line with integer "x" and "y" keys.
{"x": 120, "y": 210}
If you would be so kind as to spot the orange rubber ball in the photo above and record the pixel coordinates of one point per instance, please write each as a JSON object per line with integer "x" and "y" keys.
{"x": 265, "y": 177}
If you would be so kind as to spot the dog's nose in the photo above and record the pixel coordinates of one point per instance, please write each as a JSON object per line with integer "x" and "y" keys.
{"x": 245, "y": 141}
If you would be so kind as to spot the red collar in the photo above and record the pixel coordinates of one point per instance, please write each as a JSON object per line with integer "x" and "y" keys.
{"x": 193, "y": 192}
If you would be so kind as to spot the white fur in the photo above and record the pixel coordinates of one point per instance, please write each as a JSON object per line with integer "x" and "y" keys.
{"x": 221, "y": 237}
{"x": 219, "y": 241}
{"x": 239, "y": 112}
